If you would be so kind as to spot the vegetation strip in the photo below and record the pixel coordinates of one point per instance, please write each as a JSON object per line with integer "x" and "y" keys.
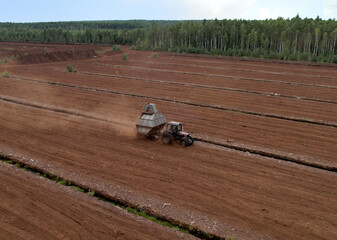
{"x": 220, "y": 76}
{"x": 237, "y": 148}
{"x": 325, "y": 124}
{"x": 234, "y": 69}
{"x": 146, "y": 213}
{"x": 208, "y": 87}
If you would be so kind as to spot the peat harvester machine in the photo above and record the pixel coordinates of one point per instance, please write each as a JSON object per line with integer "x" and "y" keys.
{"x": 151, "y": 123}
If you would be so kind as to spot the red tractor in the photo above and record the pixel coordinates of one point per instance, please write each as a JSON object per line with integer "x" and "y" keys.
{"x": 151, "y": 123}
{"x": 175, "y": 131}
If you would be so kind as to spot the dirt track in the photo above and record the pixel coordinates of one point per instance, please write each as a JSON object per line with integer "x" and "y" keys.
{"x": 264, "y": 134}
{"x": 280, "y": 197}
{"x": 255, "y": 196}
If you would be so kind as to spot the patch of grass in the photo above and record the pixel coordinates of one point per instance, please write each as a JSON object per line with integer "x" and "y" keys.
{"x": 63, "y": 182}
{"x": 125, "y": 57}
{"x": 5, "y": 74}
{"x": 154, "y": 55}
{"x": 75, "y": 70}
{"x": 91, "y": 193}
{"x": 77, "y": 188}
{"x": 9, "y": 49}
{"x": 69, "y": 68}
{"x": 5, "y": 60}
{"x": 116, "y": 47}
{"x": 46, "y": 49}
{"x": 26, "y": 54}
{"x": 12, "y": 56}
{"x": 161, "y": 222}
{"x": 131, "y": 210}
{"x": 5, "y": 159}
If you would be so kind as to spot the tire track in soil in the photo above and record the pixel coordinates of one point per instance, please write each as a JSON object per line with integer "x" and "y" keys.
{"x": 208, "y": 87}
{"x": 218, "y": 76}
{"x": 258, "y": 114}
{"x": 234, "y": 69}
{"x": 229, "y": 146}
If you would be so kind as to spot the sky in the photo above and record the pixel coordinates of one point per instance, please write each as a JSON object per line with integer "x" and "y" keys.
{"x": 77, "y": 10}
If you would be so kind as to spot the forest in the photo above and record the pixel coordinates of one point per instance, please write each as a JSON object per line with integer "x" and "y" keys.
{"x": 287, "y": 39}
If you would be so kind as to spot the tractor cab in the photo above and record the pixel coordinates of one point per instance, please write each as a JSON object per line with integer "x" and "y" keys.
{"x": 174, "y": 127}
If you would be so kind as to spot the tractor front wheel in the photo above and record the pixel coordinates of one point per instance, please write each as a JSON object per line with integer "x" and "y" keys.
{"x": 183, "y": 143}
{"x": 190, "y": 140}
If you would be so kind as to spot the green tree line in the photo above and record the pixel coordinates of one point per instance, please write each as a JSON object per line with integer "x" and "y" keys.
{"x": 288, "y": 39}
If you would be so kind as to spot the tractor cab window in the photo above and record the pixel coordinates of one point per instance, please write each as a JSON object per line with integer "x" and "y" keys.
{"x": 174, "y": 128}
{"x": 180, "y": 127}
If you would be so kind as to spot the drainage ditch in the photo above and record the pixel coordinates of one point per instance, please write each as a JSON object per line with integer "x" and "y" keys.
{"x": 146, "y": 213}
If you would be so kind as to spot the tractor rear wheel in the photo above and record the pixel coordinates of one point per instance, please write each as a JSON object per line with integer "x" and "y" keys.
{"x": 166, "y": 138}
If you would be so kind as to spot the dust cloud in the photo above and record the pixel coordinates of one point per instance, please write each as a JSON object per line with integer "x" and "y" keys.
{"x": 122, "y": 117}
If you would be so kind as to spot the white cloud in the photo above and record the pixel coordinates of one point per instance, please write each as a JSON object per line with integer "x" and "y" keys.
{"x": 210, "y": 9}
{"x": 267, "y": 14}
{"x": 330, "y": 9}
